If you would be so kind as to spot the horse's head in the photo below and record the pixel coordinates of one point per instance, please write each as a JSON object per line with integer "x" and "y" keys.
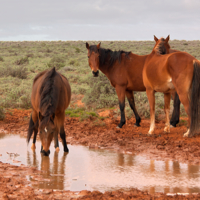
{"x": 161, "y": 46}
{"x": 46, "y": 129}
{"x": 93, "y": 58}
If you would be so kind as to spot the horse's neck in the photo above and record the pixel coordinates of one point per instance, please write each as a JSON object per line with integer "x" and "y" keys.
{"x": 104, "y": 69}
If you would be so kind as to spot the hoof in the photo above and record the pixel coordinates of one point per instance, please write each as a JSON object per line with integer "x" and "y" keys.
{"x": 33, "y": 147}
{"x": 187, "y": 133}
{"x": 172, "y": 126}
{"x": 117, "y": 127}
{"x": 167, "y": 129}
{"x": 136, "y": 125}
{"x": 57, "y": 149}
{"x": 66, "y": 150}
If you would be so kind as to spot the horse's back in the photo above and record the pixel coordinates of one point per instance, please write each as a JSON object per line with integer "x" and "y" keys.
{"x": 60, "y": 84}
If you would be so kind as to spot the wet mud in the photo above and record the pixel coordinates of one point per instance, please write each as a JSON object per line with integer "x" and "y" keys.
{"x": 104, "y": 134}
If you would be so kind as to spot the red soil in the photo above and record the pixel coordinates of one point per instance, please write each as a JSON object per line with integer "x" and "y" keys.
{"x": 104, "y": 134}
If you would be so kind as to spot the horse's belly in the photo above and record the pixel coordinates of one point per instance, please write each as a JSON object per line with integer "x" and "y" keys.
{"x": 165, "y": 87}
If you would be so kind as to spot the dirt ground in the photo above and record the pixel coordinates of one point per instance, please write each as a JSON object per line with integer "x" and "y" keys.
{"x": 100, "y": 134}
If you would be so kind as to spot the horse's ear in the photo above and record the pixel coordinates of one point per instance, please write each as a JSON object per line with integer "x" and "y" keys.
{"x": 98, "y": 45}
{"x": 167, "y": 38}
{"x": 40, "y": 116}
{"x": 155, "y": 38}
{"x": 87, "y": 46}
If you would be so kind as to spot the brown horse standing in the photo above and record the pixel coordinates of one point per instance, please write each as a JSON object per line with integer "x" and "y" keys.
{"x": 124, "y": 70}
{"x": 178, "y": 72}
{"x": 51, "y": 94}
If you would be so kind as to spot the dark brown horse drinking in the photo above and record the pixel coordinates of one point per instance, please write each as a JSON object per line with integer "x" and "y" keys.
{"x": 178, "y": 72}
{"x": 51, "y": 94}
{"x": 124, "y": 70}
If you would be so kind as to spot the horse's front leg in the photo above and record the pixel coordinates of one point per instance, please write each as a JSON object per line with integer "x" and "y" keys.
{"x": 121, "y": 96}
{"x": 167, "y": 97}
{"x": 56, "y": 143}
{"x": 151, "y": 98}
{"x": 62, "y": 135}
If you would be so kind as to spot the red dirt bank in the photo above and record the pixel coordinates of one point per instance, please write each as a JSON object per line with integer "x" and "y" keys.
{"x": 129, "y": 139}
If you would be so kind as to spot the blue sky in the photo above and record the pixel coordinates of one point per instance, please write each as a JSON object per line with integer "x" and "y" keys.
{"x": 99, "y": 20}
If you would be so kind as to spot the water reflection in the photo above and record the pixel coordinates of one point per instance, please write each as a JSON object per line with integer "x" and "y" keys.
{"x": 102, "y": 170}
{"x": 52, "y": 173}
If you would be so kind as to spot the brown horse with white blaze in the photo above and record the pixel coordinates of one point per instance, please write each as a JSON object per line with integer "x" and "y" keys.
{"x": 178, "y": 72}
{"x": 51, "y": 94}
{"x": 124, "y": 70}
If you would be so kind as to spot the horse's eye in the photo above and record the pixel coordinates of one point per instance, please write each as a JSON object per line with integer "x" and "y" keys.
{"x": 88, "y": 56}
{"x": 52, "y": 132}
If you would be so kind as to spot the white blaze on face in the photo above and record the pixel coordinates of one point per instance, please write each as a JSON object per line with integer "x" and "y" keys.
{"x": 45, "y": 129}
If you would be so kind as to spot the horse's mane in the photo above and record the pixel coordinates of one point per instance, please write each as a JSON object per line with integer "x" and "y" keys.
{"x": 48, "y": 94}
{"x": 160, "y": 48}
{"x": 108, "y": 55}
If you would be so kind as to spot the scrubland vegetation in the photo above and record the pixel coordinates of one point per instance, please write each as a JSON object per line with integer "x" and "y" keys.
{"x": 21, "y": 61}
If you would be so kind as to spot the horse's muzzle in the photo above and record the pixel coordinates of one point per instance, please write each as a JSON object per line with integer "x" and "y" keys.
{"x": 45, "y": 153}
{"x": 95, "y": 74}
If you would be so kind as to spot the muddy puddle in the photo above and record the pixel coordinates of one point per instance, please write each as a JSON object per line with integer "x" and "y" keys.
{"x": 103, "y": 170}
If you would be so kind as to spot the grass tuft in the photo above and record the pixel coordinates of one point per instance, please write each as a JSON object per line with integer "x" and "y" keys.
{"x": 57, "y": 62}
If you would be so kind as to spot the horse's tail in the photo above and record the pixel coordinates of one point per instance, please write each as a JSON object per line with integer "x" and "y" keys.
{"x": 195, "y": 99}
{"x": 30, "y": 129}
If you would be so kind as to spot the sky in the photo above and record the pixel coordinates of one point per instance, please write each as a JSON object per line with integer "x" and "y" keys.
{"x": 41, "y": 20}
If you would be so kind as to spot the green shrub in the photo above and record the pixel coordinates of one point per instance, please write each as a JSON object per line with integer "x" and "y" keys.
{"x": 57, "y": 62}
{"x": 30, "y": 55}
{"x": 82, "y": 113}
{"x": 1, "y": 59}
{"x": 2, "y": 114}
{"x": 101, "y": 94}
{"x": 74, "y": 62}
{"x": 18, "y": 96}
{"x": 22, "y": 61}
{"x": 16, "y": 71}
{"x": 77, "y": 50}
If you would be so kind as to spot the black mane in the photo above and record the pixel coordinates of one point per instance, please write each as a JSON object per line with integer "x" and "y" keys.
{"x": 107, "y": 55}
{"x": 160, "y": 48}
{"x": 48, "y": 94}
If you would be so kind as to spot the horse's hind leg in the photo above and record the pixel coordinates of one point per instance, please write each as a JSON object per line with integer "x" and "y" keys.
{"x": 130, "y": 97}
{"x": 167, "y": 97}
{"x": 121, "y": 96}
{"x": 151, "y": 98}
{"x": 185, "y": 101}
{"x": 176, "y": 112}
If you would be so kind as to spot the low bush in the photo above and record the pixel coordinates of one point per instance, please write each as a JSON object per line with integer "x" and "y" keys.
{"x": 101, "y": 94}
{"x": 1, "y": 59}
{"x": 57, "y": 62}
{"x": 19, "y": 72}
{"x": 74, "y": 62}
{"x": 15, "y": 71}
{"x": 2, "y": 114}
{"x": 22, "y": 61}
